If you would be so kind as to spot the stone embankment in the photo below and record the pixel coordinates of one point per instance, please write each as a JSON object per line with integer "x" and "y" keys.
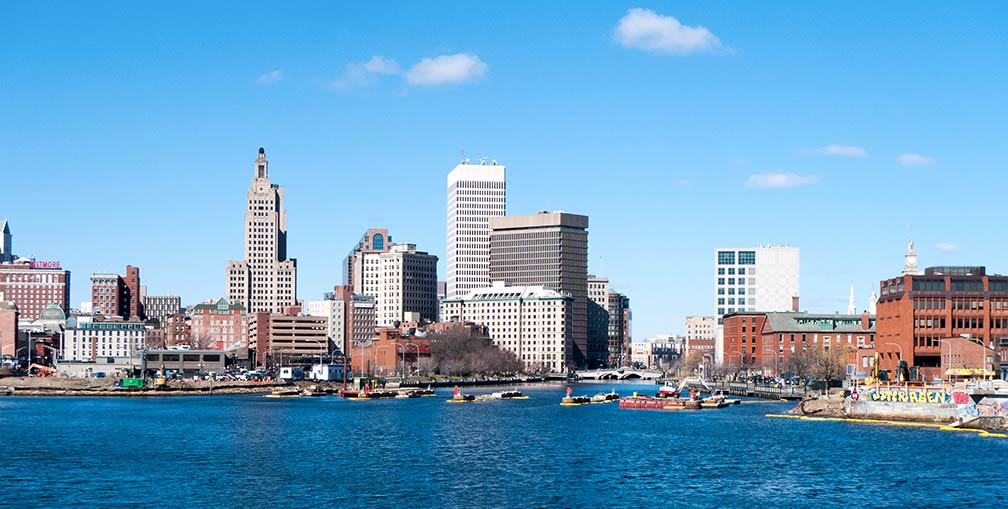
{"x": 836, "y": 406}
{"x": 59, "y": 386}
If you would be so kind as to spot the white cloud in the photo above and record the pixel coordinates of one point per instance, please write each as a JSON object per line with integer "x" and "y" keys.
{"x": 842, "y": 150}
{"x": 360, "y": 74}
{"x": 647, "y": 30}
{"x": 911, "y": 160}
{"x": 457, "y": 68}
{"x": 778, "y": 180}
{"x": 270, "y": 77}
{"x": 945, "y": 247}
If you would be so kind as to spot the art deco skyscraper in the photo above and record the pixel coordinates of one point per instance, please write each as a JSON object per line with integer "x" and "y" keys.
{"x": 266, "y": 281}
{"x": 476, "y": 192}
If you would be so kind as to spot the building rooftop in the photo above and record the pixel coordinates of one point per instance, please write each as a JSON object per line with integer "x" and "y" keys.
{"x": 502, "y": 291}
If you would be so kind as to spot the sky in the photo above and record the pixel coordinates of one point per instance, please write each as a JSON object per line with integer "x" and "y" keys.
{"x": 128, "y": 132}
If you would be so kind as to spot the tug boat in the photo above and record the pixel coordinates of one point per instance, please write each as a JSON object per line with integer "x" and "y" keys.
{"x": 461, "y": 397}
{"x": 571, "y": 400}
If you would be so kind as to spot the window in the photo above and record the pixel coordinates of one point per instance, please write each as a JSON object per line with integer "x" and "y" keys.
{"x": 741, "y": 271}
{"x": 726, "y": 257}
{"x": 747, "y": 258}
{"x": 378, "y": 242}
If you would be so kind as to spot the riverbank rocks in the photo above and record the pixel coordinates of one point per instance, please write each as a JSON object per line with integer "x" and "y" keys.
{"x": 831, "y": 407}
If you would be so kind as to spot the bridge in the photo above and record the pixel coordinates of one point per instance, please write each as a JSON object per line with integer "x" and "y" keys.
{"x": 619, "y": 374}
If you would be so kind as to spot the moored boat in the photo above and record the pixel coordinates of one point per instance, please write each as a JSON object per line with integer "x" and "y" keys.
{"x": 605, "y": 397}
{"x": 571, "y": 400}
{"x": 460, "y": 397}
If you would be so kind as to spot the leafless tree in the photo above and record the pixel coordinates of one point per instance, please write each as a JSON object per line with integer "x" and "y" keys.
{"x": 454, "y": 352}
{"x": 202, "y": 340}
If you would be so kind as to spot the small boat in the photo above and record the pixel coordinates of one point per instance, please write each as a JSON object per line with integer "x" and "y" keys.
{"x": 575, "y": 401}
{"x": 605, "y": 397}
{"x": 512, "y": 394}
{"x": 404, "y": 393}
{"x": 459, "y": 397}
{"x": 426, "y": 392}
{"x": 652, "y": 403}
{"x": 284, "y": 393}
{"x": 348, "y": 393}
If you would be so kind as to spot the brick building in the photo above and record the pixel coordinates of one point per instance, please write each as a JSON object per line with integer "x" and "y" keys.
{"x": 9, "y": 315}
{"x": 33, "y": 285}
{"x": 220, "y": 325}
{"x": 916, "y": 313}
{"x": 390, "y": 352}
{"x": 115, "y": 295}
{"x": 766, "y": 341}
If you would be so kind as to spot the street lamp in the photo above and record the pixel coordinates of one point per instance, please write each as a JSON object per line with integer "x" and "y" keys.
{"x": 417, "y": 360}
{"x": 374, "y": 353}
{"x": 942, "y": 355}
{"x": 319, "y": 343}
{"x": 900, "y": 357}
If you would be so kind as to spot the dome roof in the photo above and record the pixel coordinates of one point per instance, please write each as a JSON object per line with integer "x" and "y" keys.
{"x": 52, "y": 313}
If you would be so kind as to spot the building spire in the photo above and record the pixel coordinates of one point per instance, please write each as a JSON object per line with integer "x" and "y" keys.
{"x": 851, "y": 306}
{"x": 261, "y": 165}
{"x": 910, "y": 260}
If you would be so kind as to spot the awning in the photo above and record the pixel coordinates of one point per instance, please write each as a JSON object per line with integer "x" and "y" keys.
{"x": 969, "y": 372}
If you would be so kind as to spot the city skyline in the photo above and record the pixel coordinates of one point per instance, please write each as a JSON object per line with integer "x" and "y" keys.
{"x": 727, "y": 141}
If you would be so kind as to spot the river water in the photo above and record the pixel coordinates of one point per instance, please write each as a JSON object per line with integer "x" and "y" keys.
{"x": 250, "y": 451}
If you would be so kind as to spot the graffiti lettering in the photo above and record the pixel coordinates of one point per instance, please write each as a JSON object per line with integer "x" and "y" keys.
{"x": 908, "y": 396}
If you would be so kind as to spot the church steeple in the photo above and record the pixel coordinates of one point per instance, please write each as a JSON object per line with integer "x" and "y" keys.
{"x": 851, "y": 306}
{"x": 261, "y": 165}
{"x": 910, "y": 260}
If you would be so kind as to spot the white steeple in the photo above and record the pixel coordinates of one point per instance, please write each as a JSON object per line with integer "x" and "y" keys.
{"x": 910, "y": 260}
{"x": 851, "y": 307}
{"x": 872, "y": 301}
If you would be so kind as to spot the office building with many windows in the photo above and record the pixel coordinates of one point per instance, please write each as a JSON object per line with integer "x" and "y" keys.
{"x": 266, "y": 280}
{"x": 476, "y": 193}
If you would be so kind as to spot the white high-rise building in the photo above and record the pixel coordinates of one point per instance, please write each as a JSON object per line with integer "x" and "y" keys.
{"x": 266, "y": 280}
{"x": 334, "y": 310}
{"x": 476, "y": 192}
{"x": 764, "y": 278}
{"x": 407, "y": 283}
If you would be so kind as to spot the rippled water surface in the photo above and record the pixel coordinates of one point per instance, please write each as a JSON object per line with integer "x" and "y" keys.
{"x": 250, "y": 451}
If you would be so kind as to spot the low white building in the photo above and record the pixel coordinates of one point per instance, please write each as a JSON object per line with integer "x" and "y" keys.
{"x": 533, "y": 322}
{"x": 91, "y": 340}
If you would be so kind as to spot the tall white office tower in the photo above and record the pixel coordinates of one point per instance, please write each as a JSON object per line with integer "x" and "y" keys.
{"x": 476, "y": 192}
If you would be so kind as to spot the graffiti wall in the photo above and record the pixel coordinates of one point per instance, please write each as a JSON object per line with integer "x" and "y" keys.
{"x": 908, "y": 396}
{"x": 985, "y": 408}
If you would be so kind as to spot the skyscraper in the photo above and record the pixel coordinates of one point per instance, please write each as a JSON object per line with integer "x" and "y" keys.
{"x": 266, "y": 280}
{"x": 548, "y": 249}
{"x": 476, "y": 192}
{"x": 362, "y": 261}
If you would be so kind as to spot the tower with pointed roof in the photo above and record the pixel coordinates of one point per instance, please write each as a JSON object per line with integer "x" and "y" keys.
{"x": 5, "y": 249}
{"x": 910, "y": 260}
{"x": 851, "y": 306}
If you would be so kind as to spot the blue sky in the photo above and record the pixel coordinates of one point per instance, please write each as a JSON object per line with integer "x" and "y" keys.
{"x": 128, "y": 132}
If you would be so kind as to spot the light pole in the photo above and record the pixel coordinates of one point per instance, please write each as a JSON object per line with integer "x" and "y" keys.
{"x": 374, "y": 353}
{"x": 402, "y": 352}
{"x": 319, "y": 343}
{"x": 417, "y": 360}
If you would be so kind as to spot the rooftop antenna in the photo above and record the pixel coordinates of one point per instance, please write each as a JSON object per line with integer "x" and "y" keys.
{"x": 463, "y": 157}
